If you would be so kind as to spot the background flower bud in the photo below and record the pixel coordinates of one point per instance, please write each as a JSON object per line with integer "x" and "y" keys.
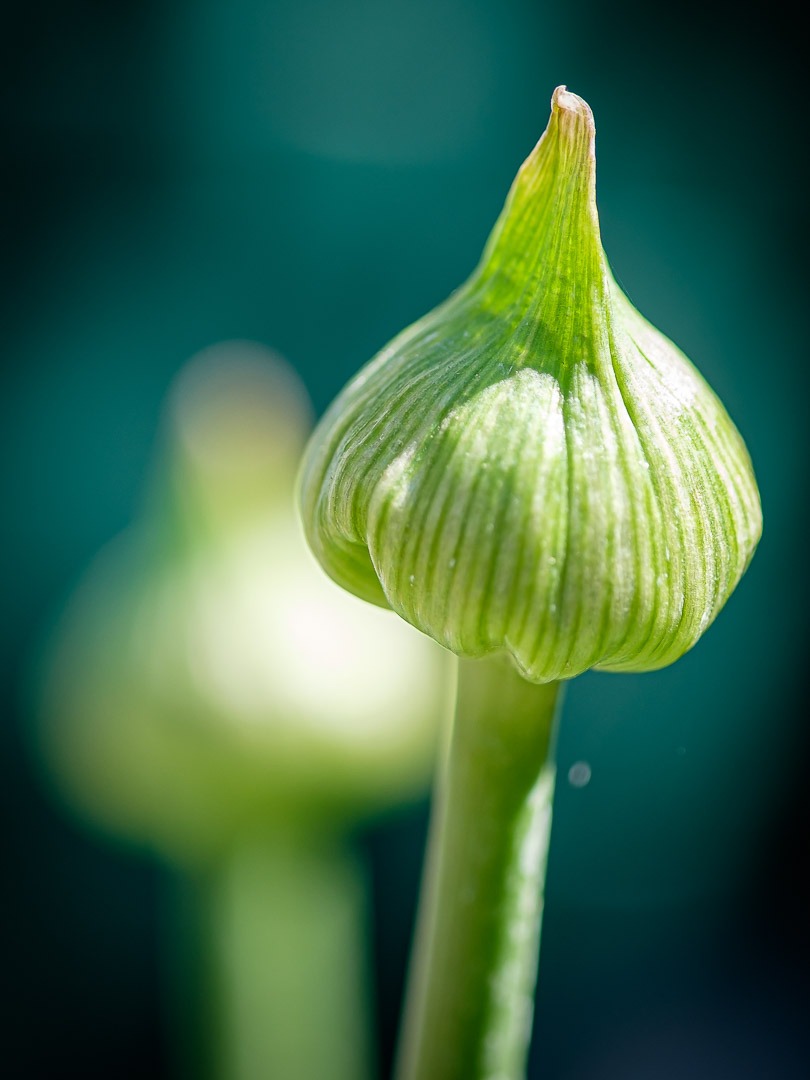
{"x": 206, "y": 677}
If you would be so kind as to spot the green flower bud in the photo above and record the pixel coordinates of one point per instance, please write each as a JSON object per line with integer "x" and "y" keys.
{"x": 206, "y": 678}
{"x": 532, "y": 467}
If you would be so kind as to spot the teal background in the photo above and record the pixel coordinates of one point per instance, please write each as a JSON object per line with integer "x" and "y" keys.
{"x": 314, "y": 175}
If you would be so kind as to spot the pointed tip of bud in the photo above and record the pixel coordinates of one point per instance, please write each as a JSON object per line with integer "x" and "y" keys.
{"x": 551, "y": 204}
{"x": 562, "y": 100}
{"x": 236, "y": 404}
{"x": 235, "y": 423}
{"x": 573, "y": 115}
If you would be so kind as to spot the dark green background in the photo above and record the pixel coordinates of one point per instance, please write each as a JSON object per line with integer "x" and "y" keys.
{"x": 314, "y": 175}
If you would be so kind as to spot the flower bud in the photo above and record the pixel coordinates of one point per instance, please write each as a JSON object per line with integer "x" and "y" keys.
{"x": 532, "y": 467}
{"x": 207, "y": 678}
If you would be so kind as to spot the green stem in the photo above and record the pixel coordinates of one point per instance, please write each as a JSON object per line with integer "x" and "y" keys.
{"x": 284, "y": 992}
{"x": 471, "y": 994}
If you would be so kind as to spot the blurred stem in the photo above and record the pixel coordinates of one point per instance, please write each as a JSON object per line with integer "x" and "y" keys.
{"x": 470, "y": 998}
{"x": 283, "y": 993}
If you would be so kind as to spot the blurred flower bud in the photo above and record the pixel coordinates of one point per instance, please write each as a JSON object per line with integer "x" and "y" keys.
{"x": 207, "y": 676}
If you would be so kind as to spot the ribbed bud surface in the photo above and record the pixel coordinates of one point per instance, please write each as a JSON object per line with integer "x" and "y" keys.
{"x": 531, "y": 466}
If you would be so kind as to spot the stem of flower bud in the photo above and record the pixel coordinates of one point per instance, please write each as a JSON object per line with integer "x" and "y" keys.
{"x": 279, "y": 968}
{"x": 470, "y": 999}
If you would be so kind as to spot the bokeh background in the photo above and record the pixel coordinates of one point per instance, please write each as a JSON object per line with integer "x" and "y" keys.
{"x": 313, "y": 175}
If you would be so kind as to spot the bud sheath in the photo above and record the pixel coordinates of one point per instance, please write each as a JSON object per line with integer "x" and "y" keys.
{"x": 532, "y": 467}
